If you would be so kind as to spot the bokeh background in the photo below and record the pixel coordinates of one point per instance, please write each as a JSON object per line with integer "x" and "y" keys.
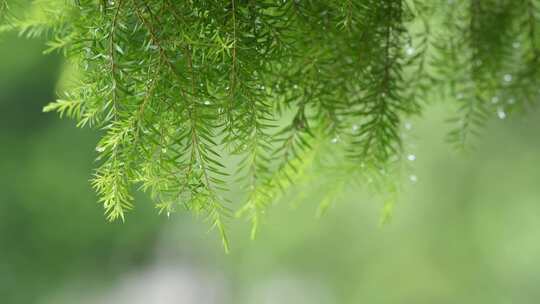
{"x": 468, "y": 231}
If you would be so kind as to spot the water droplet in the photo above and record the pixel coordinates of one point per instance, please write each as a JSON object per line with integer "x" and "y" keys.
{"x": 409, "y": 51}
{"x": 334, "y": 140}
{"x": 411, "y": 157}
{"x": 516, "y": 45}
{"x": 511, "y": 101}
{"x": 355, "y": 128}
{"x": 408, "y": 126}
{"x": 100, "y": 149}
{"x": 507, "y": 77}
{"x": 207, "y": 102}
{"x": 495, "y": 99}
{"x": 501, "y": 114}
{"x": 413, "y": 178}
{"x": 168, "y": 214}
{"x": 459, "y": 96}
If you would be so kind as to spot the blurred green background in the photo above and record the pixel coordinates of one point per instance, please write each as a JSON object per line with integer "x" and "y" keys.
{"x": 467, "y": 232}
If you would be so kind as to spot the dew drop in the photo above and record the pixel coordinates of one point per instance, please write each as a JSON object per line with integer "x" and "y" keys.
{"x": 100, "y": 149}
{"x": 411, "y": 157}
{"x": 501, "y": 114}
{"x": 495, "y": 99}
{"x": 355, "y": 128}
{"x": 511, "y": 101}
{"x": 516, "y": 45}
{"x": 207, "y": 102}
{"x": 413, "y": 178}
{"x": 409, "y": 51}
{"x": 334, "y": 140}
{"x": 459, "y": 96}
{"x": 408, "y": 126}
{"x": 507, "y": 77}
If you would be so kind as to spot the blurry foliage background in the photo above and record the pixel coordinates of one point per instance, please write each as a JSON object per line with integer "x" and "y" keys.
{"x": 467, "y": 232}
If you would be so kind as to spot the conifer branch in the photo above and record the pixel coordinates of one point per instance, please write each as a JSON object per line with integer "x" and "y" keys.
{"x": 290, "y": 89}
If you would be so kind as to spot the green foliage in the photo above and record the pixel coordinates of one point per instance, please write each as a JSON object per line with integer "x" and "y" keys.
{"x": 178, "y": 87}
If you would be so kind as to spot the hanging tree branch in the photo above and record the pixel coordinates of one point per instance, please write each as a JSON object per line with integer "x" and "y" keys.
{"x": 184, "y": 91}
